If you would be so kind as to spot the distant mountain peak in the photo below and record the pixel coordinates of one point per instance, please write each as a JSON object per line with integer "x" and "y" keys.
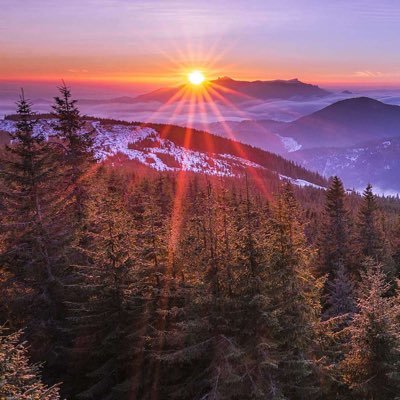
{"x": 358, "y": 104}
{"x": 359, "y": 100}
{"x": 345, "y": 123}
{"x": 235, "y": 91}
{"x": 224, "y": 78}
{"x": 240, "y": 91}
{"x": 260, "y": 81}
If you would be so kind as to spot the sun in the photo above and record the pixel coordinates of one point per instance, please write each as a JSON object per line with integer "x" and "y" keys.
{"x": 196, "y": 77}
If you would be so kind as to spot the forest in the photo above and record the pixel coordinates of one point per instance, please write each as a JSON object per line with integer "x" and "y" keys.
{"x": 125, "y": 284}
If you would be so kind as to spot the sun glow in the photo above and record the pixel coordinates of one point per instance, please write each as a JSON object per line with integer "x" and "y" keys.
{"x": 196, "y": 77}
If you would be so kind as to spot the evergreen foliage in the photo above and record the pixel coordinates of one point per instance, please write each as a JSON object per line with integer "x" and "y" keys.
{"x": 135, "y": 284}
{"x": 19, "y": 378}
{"x": 78, "y": 149}
{"x": 335, "y": 235}
{"x": 295, "y": 295}
{"x": 370, "y": 236}
{"x": 32, "y": 255}
{"x": 371, "y": 367}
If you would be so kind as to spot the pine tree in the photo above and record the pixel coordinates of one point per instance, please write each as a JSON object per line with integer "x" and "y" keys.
{"x": 334, "y": 241}
{"x": 19, "y": 378}
{"x": 371, "y": 367}
{"x": 78, "y": 148}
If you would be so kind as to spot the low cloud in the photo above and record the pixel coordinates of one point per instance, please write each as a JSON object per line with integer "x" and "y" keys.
{"x": 368, "y": 74}
{"x": 282, "y": 110}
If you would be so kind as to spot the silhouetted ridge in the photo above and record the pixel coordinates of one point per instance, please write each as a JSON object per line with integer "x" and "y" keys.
{"x": 345, "y": 123}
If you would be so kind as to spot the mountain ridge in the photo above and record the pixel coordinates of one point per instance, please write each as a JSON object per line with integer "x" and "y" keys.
{"x": 346, "y": 122}
{"x": 257, "y": 90}
{"x": 357, "y": 139}
{"x": 173, "y": 148}
{"x": 375, "y": 162}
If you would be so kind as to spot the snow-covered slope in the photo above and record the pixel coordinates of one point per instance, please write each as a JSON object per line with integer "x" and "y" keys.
{"x": 43, "y": 127}
{"x": 375, "y": 162}
{"x": 146, "y": 146}
{"x": 176, "y": 150}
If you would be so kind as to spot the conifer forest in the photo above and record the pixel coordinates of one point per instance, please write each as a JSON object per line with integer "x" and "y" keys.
{"x": 120, "y": 282}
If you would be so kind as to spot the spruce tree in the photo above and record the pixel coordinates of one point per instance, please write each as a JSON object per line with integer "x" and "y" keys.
{"x": 370, "y": 238}
{"x": 158, "y": 276}
{"x": 371, "y": 367}
{"x": 224, "y": 347}
{"x": 103, "y": 294}
{"x": 340, "y": 308}
{"x": 396, "y": 246}
{"x": 334, "y": 241}
{"x": 21, "y": 379}
{"x": 34, "y": 247}
{"x": 255, "y": 338}
{"x": 149, "y": 206}
{"x": 340, "y": 299}
{"x": 294, "y": 293}
{"x": 78, "y": 149}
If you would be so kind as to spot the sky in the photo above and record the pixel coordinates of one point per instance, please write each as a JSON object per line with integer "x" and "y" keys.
{"x": 151, "y": 43}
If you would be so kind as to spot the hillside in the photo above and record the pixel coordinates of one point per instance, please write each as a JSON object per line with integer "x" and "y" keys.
{"x": 346, "y": 123}
{"x": 375, "y": 162}
{"x": 356, "y": 139}
{"x": 276, "y": 89}
{"x": 232, "y": 90}
{"x": 173, "y": 148}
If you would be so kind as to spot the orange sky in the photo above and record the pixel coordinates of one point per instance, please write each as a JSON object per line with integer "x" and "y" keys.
{"x": 156, "y": 42}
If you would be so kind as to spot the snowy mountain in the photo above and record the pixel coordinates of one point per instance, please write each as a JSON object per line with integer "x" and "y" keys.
{"x": 173, "y": 148}
{"x": 356, "y": 139}
{"x": 341, "y": 124}
{"x": 376, "y": 162}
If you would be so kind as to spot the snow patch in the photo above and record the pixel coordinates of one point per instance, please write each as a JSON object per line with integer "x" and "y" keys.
{"x": 300, "y": 182}
{"x": 289, "y": 143}
{"x": 44, "y": 127}
{"x": 7, "y": 126}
